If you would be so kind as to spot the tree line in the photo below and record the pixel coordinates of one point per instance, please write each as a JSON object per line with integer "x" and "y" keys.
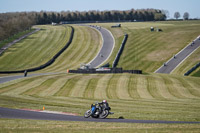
{"x": 186, "y": 15}
{"x": 12, "y": 23}
{"x": 115, "y": 15}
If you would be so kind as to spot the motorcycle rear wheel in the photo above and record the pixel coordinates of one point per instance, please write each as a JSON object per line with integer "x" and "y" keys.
{"x": 104, "y": 114}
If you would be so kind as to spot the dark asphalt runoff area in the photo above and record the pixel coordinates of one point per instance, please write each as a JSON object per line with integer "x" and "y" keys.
{"x": 24, "y": 114}
{"x": 106, "y": 49}
{"x": 177, "y": 59}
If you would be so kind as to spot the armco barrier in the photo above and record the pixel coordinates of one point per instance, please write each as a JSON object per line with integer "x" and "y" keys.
{"x": 192, "y": 69}
{"x": 115, "y": 62}
{"x": 112, "y": 70}
{"x": 47, "y": 63}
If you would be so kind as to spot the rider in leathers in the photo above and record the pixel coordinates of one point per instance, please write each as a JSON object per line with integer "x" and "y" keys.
{"x": 103, "y": 104}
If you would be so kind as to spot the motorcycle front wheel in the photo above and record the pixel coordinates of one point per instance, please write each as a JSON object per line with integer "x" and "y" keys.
{"x": 88, "y": 113}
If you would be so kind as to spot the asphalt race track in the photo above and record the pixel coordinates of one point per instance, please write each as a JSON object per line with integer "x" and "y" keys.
{"x": 107, "y": 47}
{"x": 24, "y": 114}
{"x": 9, "y": 78}
{"x": 179, "y": 58}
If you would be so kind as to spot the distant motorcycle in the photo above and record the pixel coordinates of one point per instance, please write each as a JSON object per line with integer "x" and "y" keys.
{"x": 98, "y": 111}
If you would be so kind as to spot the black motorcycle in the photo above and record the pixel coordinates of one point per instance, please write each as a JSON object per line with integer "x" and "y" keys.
{"x": 98, "y": 111}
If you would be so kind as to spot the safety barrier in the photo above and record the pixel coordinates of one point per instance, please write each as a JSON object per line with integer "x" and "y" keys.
{"x": 115, "y": 62}
{"x": 109, "y": 70}
{"x": 192, "y": 69}
{"x": 47, "y": 63}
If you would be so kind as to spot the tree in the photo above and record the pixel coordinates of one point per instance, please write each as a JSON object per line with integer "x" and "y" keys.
{"x": 166, "y": 12}
{"x": 186, "y": 16}
{"x": 177, "y": 15}
{"x": 159, "y": 17}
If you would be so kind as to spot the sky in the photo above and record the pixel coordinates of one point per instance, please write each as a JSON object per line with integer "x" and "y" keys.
{"x": 190, "y": 6}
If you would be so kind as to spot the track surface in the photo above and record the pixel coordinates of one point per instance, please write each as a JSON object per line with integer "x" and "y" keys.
{"x": 10, "y": 78}
{"x": 107, "y": 47}
{"x": 179, "y": 58}
{"x": 24, "y": 114}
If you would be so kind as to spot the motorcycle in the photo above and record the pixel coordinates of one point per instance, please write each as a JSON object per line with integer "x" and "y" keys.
{"x": 98, "y": 111}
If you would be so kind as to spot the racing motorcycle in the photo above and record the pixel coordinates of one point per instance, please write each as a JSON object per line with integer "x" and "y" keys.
{"x": 98, "y": 111}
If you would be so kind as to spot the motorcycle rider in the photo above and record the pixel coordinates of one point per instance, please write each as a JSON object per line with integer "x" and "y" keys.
{"x": 104, "y": 104}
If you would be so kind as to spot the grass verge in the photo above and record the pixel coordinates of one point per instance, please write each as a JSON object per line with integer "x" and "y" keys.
{"x": 24, "y": 126}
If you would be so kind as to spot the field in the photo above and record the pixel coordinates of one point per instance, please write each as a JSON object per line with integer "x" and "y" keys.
{"x": 147, "y": 50}
{"x": 84, "y": 47}
{"x": 143, "y": 97}
{"x": 24, "y": 126}
{"x": 36, "y": 49}
{"x": 166, "y": 97}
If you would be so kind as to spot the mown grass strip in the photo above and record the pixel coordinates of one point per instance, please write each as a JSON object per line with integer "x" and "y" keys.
{"x": 142, "y": 88}
{"x": 90, "y": 89}
{"x": 162, "y": 88}
{"x": 23, "y": 89}
{"x": 132, "y": 87}
{"x": 122, "y": 87}
{"x": 55, "y": 87}
{"x": 66, "y": 89}
{"x": 189, "y": 89}
{"x": 152, "y": 88}
{"x": 181, "y": 89}
{"x": 36, "y": 90}
{"x": 80, "y": 87}
{"x": 100, "y": 91}
{"x": 111, "y": 88}
{"x": 171, "y": 88}
{"x": 14, "y": 86}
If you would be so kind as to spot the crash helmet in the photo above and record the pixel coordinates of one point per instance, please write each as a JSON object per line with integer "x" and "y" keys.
{"x": 104, "y": 101}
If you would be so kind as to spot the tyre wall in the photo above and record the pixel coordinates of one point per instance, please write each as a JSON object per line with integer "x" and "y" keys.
{"x": 192, "y": 69}
{"x": 115, "y": 62}
{"x": 112, "y": 70}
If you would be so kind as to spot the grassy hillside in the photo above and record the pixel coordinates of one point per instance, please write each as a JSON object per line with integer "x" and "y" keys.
{"x": 143, "y": 97}
{"x": 150, "y": 97}
{"x": 36, "y": 49}
{"x": 84, "y": 47}
{"x": 147, "y": 50}
{"x": 144, "y": 50}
